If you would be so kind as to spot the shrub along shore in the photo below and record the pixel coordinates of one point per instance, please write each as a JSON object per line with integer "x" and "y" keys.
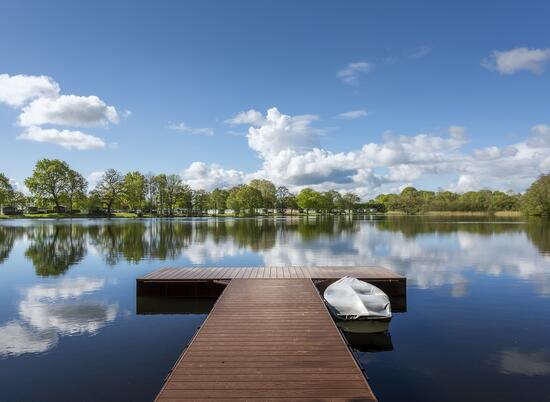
{"x": 57, "y": 191}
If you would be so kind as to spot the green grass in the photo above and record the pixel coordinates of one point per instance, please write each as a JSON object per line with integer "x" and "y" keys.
{"x": 124, "y": 215}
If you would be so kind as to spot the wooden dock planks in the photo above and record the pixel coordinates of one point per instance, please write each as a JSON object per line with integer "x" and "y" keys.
{"x": 267, "y": 339}
{"x": 208, "y": 273}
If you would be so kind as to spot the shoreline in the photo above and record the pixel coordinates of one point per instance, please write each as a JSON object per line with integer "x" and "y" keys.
{"x": 127, "y": 215}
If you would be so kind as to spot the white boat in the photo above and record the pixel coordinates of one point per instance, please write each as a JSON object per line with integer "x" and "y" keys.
{"x": 351, "y": 299}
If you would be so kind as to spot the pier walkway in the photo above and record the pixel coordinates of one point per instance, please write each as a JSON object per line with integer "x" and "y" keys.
{"x": 269, "y": 336}
{"x": 267, "y": 340}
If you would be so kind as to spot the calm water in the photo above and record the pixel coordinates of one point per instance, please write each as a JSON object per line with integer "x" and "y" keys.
{"x": 477, "y": 326}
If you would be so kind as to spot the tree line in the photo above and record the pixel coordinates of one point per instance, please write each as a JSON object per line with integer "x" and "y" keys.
{"x": 55, "y": 186}
{"x": 413, "y": 201}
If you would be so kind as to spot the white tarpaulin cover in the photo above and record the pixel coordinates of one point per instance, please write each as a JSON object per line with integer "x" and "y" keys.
{"x": 351, "y": 299}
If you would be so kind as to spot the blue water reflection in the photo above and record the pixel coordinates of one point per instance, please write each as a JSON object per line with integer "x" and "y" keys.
{"x": 477, "y": 325}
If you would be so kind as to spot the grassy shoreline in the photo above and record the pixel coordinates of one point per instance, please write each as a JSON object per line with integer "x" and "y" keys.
{"x": 129, "y": 215}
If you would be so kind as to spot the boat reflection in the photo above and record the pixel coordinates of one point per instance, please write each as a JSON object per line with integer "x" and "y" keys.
{"x": 367, "y": 335}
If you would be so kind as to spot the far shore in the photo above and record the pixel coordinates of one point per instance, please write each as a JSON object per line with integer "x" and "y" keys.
{"x": 130, "y": 215}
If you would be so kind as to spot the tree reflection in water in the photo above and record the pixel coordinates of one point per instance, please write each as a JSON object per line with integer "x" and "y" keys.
{"x": 53, "y": 247}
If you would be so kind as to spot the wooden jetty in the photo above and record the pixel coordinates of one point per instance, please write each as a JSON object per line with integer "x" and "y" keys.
{"x": 269, "y": 336}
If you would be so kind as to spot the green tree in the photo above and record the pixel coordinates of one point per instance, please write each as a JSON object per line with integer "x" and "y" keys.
{"x": 6, "y": 192}
{"x": 232, "y": 201}
{"x": 267, "y": 190}
{"x": 173, "y": 191}
{"x": 326, "y": 201}
{"x": 410, "y": 200}
{"x": 76, "y": 188}
{"x": 160, "y": 184}
{"x": 110, "y": 188}
{"x": 335, "y": 199}
{"x": 536, "y": 201}
{"x": 391, "y": 202}
{"x": 282, "y": 195}
{"x": 49, "y": 181}
{"x": 134, "y": 190}
{"x": 185, "y": 199}
{"x": 94, "y": 203}
{"x": 19, "y": 200}
{"x": 200, "y": 200}
{"x": 249, "y": 198}
{"x": 308, "y": 199}
{"x": 350, "y": 200}
{"x": 218, "y": 198}
{"x": 505, "y": 201}
{"x": 151, "y": 191}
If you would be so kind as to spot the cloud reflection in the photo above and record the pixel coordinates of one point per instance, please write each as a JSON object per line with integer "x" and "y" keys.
{"x": 427, "y": 260}
{"x": 430, "y": 252}
{"x": 513, "y": 361}
{"x": 48, "y": 311}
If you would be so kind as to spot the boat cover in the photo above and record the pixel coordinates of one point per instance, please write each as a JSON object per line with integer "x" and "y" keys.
{"x": 350, "y": 299}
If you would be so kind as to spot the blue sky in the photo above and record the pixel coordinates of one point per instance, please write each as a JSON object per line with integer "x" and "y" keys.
{"x": 444, "y": 95}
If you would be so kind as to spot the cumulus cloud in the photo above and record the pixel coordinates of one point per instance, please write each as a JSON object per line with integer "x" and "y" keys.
{"x": 184, "y": 128}
{"x": 251, "y": 116}
{"x": 199, "y": 175}
{"x": 279, "y": 132}
{"x": 16, "y": 90}
{"x": 68, "y": 110}
{"x": 350, "y": 74}
{"x": 353, "y": 114}
{"x": 290, "y": 151}
{"x": 66, "y": 138}
{"x": 518, "y": 59}
{"x": 41, "y": 104}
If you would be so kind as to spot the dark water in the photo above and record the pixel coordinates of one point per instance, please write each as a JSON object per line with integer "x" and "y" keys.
{"x": 477, "y": 326}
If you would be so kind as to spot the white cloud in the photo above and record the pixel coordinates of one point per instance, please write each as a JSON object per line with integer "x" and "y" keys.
{"x": 16, "y": 90}
{"x": 466, "y": 182}
{"x": 291, "y": 154}
{"x": 17, "y": 186}
{"x": 41, "y": 104}
{"x": 353, "y": 114}
{"x": 68, "y": 110}
{"x": 184, "y": 128}
{"x": 199, "y": 175}
{"x": 289, "y": 147}
{"x": 66, "y": 138}
{"x": 280, "y": 132}
{"x": 251, "y": 116}
{"x": 94, "y": 178}
{"x": 518, "y": 59}
{"x": 420, "y": 52}
{"x": 350, "y": 74}
{"x": 540, "y": 136}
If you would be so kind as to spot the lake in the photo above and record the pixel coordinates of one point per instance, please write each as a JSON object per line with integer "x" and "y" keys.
{"x": 477, "y": 325}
